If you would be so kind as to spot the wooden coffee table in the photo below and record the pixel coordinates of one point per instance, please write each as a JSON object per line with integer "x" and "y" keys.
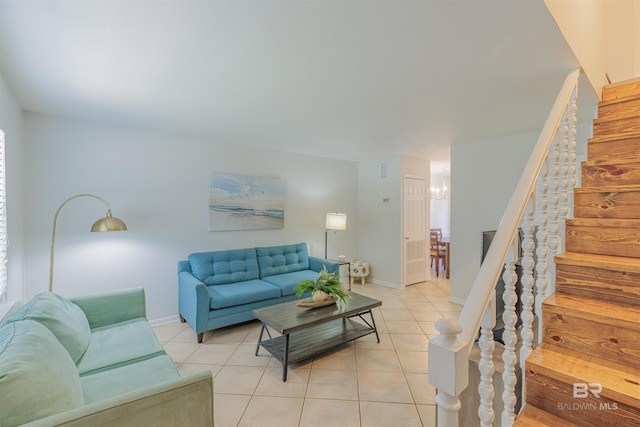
{"x": 306, "y": 332}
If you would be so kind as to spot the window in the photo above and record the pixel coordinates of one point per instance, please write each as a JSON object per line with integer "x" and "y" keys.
{"x": 4, "y": 238}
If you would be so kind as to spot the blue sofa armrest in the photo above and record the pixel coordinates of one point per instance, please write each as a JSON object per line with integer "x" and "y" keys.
{"x": 107, "y": 308}
{"x": 193, "y": 301}
{"x": 316, "y": 264}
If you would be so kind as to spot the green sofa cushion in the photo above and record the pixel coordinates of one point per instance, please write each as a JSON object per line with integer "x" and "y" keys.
{"x": 114, "y": 382}
{"x": 62, "y": 317}
{"x": 119, "y": 344}
{"x": 37, "y": 376}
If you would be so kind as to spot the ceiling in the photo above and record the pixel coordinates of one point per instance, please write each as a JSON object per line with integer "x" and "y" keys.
{"x": 343, "y": 79}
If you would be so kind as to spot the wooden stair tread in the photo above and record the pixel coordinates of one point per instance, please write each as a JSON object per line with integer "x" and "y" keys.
{"x": 622, "y": 89}
{"x": 615, "y": 117}
{"x": 604, "y": 222}
{"x": 616, "y": 162}
{"x": 619, "y": 382}
{"x": 608, "y": 262}
{"x": 614, "y": 101}
{"x": 532, "y": 416}
{"x": 608, "y": 189}
{"x": 588, "y": 308}
{"x": 613, "y": 137}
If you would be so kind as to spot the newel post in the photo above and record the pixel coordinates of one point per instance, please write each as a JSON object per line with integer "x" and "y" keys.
{"x": 448, "y": 370}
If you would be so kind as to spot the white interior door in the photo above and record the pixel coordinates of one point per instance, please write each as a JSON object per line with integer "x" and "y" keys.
{"x": 415, "y": 232}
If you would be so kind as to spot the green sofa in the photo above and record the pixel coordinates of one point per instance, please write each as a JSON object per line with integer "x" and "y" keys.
{"x": 93, "y": 361}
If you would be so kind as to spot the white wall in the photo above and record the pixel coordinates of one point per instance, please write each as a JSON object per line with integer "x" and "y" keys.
{"x": 603, "y": 36}
{"x": 11, "y": 122}
{"x": 378, "y": 221}
{"x": 380, "y": 238}
{"x": 484, "y": 175}
{"x": 158, "y": 184}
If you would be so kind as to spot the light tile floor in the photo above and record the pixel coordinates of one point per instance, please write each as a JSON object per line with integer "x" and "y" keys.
{"x": 362, "y": 383}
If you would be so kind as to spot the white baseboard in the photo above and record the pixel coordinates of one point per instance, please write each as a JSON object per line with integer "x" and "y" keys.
{"x": 165, "y": 320}
{"x": 457, "y": 300}
{"x": 387, "y": 284}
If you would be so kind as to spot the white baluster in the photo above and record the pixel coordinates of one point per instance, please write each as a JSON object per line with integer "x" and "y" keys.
{"x": 573, "y": 121}
{"x": 563, "y": 160}
{"x": 527, "y": 280}
{"x": 509, "y": 337}
{"x": 541, "y": 221}
{"x": 486, "y": 366}
{"x": 552, "y": 226}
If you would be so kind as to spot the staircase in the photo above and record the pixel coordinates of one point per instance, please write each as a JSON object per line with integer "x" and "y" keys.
{"x": 586, "y": 371}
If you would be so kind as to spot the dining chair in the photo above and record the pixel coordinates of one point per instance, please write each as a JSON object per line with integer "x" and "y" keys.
{"x": 437, "y": 250}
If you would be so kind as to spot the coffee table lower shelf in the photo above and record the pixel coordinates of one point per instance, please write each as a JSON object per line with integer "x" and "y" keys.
{"x": 302, "y": 344}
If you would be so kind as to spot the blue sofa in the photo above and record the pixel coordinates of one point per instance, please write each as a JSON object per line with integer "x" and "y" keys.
{"x": 221, "y": 288}
{"x": 93, "y": 361}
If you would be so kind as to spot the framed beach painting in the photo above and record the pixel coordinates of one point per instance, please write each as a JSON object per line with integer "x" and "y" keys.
{"x": 245, "y": 202}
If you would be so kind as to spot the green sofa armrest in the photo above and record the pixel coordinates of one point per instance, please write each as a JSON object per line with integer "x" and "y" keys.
{"x": 186, "y": 401}
{"x": 112, "y": 307}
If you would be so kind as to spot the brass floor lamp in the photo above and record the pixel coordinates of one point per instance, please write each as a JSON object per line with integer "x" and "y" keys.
{"x": 108, "y": 223}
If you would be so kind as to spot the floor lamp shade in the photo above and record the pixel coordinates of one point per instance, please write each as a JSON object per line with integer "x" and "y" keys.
{"x": 336, "y": 222}
{"x": 108, "y": 223}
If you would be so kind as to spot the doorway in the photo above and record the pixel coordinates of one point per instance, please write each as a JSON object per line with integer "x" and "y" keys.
{"x": 415, "y": 230}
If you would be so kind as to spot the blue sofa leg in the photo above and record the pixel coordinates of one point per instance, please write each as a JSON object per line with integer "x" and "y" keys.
{"x": 200, "y": 336}
{"x": 182, "y": 319}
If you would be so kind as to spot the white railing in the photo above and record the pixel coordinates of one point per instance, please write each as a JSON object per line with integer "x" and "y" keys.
{"x": 539, "y": 205}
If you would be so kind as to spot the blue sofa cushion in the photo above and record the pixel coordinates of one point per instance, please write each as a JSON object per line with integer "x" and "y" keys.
{"x": 242, "y": 293}
{"x": 63, "y": 318}
{"x": 283, "y": 259}
{"x": 37, "y": 376}
{"x": 117, "y": 381}
{"x": 223, "y": 267}
{"x": 119, "y": 344}
{"x": 287, "y": 282}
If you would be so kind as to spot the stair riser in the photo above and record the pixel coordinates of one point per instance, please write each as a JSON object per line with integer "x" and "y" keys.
{"x": 607, "y": 204}
{"x": 596, "y": 337}
{"x": 622, "y": 149}
{"x": 623, "y": 91}
{"x": 622, "y": 174}
{"x": 614, "y": 286}
{"x": 609, "y": 127}
{"x": 626, "y": 108}
{"x": 617, "y": 241}
{"x": 556, "y": 397}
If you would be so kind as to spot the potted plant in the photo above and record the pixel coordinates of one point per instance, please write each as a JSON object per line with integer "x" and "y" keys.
{"x": 325, "y": 289}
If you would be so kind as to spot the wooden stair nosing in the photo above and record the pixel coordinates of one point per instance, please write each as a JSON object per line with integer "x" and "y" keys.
{"x": 532, "y": 416}
{"x": 619, "y": 382}
{"x": 596, "y": 310}
{"x": 605, "y": 262}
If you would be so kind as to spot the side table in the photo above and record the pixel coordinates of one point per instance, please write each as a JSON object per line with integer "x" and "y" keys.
{"x": 348, "y": 264}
